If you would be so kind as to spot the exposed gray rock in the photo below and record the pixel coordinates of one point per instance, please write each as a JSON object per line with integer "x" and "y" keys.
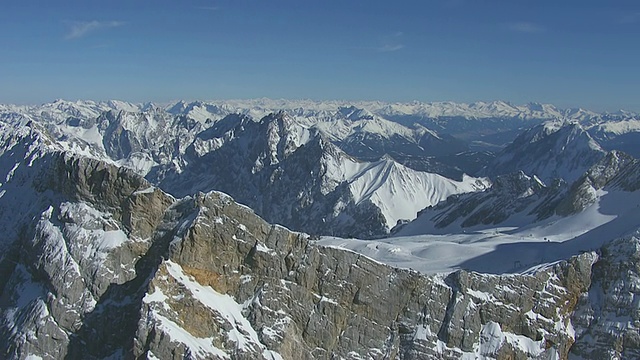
{"x": 309, "y": 302}
{"x": 607, "y": 319}
{"x": 583, "y": 192}
{"x": 279, "y": 165}
{"x": 106, "y": 266}
{"x": 84, "y": 227}
{"x": 510, "y": 194}
{"x": 519, "y": 195}
{"x": 555, "y": 149}
{"x": 262, "y": 164}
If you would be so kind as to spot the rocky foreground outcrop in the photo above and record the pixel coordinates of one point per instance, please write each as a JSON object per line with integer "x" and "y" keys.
{"x": 108, "y": 266}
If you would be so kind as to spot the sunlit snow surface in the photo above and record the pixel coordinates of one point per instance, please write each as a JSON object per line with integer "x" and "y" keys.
{"x": 507, "y": 249}
{"x": 397, "y": 190}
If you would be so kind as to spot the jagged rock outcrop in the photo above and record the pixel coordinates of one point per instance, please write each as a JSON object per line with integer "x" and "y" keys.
{"x": 98, "y": 263}
{"x": 292, "y": 175}
{"x": 292, "y": 168}
{"x": 141, "y": 140}
{"x": 308, "y": 302}
{"x": 583, "y": 192}
{"x": 204, "y": 277}
{"x": 606, "y": 319}
{"x": 95, "y": 228}
{"x": 552, "y": 150}
{"x": 275, "y": 168}
{"x": 518, "y": 199}
{"x": 510, "y": 194}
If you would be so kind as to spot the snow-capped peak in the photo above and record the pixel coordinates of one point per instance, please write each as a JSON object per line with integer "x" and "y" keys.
{"x": 554, "y": 149}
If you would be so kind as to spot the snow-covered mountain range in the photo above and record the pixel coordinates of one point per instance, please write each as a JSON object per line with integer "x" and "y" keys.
{"x": 335, "y": 168}
{"x": 552, "y": 150}
{"x": 517, "y": 200}
{"x": 291, "y": 174}
{"x": 292, "y": 170}
{"x": 442, "y": 117}
{"x": 120, "y": 239}
{"x": 331, "y": 153}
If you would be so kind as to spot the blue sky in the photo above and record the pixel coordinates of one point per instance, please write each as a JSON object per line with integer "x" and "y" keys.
{"x": 569, "y": 53}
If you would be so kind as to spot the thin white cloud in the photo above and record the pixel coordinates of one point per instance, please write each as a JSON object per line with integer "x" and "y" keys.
{"x": 81, "y": 29}
{"x": 390, "y": 48}
{"x": 391, "y": 42}
{"x": 526, "y": 27}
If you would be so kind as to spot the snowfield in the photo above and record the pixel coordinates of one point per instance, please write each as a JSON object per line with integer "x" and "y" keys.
{"x": 500, "y": 250}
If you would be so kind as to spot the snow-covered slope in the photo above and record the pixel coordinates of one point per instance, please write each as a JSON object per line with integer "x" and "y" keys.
{"x": 517, "y": 224}
{"x": 291, "y": 175}
{"x": 299, "y": 161}
{"x": 97, "y": 262}
{"x": 620, "y": 133}
{"x": 517, "y": 200}
{"x": 315, "y": 111}
{"x": 399, "y": 191}
{"x": 278, "y": 165}
{"x": 61, "y": 111}
{"x": 413, "y": 145}
{"x": 509, "y": 249}
{"x": 412, "y": 133}
{"x": 552, "y": 150}
{"x": 485, "y": 125}
{"x": 112, "y": 267}
{"x": 22, "y": 151}
{"x": 513, "y": 200}
{"x": 476, "y": 110}
{"x": 201, "y": 111}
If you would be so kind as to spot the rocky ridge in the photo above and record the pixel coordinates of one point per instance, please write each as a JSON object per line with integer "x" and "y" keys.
{"x": 99, "y": 263}
{"x": 606, "y": 318}
{"x": 290, "y": 170}
{"x": 552, "y": 150}
{"x": 292, "y": 175}
{"x": 177, "y": 145}
{"x": 110, "y": 266}
{"x": 272, "y": 290}
{"x": 516, "y": 199}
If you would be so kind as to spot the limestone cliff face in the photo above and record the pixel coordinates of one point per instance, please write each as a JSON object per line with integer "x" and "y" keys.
{"x": 608, "y": 313}
{"x": 75, "y": 229}
{"x": 307, "y": 302}
{"x": 110, "y": 267}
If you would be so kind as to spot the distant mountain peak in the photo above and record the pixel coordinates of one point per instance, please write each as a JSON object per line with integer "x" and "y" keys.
{"x": 554, "y": 149}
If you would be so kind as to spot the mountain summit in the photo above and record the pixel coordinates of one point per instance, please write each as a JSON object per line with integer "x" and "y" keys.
{"x": 118, "y": 242}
